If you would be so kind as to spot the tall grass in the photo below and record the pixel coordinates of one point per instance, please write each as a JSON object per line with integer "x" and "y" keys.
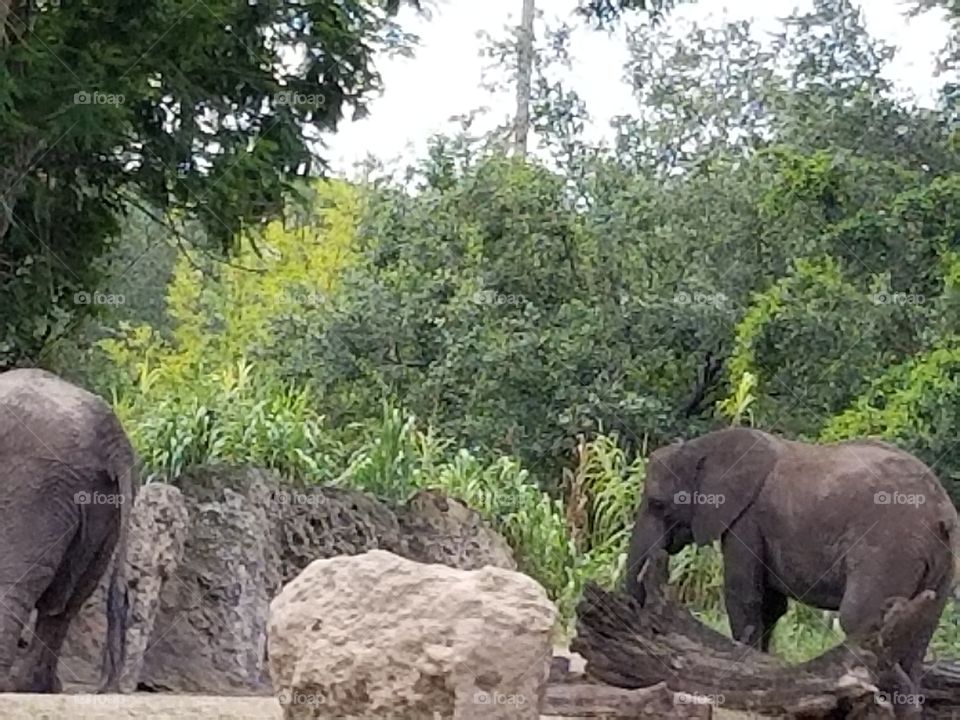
{"x": 227, "y": 415}
{"x": 238, "y": 415}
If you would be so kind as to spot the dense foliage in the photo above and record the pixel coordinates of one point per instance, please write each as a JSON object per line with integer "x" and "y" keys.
{"x": 187, "y": 110}
{"x": 773, "y": 238}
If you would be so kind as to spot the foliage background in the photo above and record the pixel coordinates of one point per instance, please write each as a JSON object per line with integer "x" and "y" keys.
{"x": 772, "y": 239}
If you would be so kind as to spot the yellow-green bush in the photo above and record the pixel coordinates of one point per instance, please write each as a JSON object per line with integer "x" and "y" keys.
{"x": 195, "y": 396}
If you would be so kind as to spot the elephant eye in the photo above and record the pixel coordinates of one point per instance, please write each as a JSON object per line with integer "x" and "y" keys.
{"x": 655, "y": 504}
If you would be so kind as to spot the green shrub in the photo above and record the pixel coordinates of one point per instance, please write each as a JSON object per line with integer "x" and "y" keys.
{"x": 396, "y": 459}
{"x": 236, "y": 415}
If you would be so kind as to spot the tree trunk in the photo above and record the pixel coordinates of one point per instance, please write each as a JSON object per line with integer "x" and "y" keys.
{"x": 12, "y": 178}
{"x": 524, "y": 78}
{"x": 591, "y": 700}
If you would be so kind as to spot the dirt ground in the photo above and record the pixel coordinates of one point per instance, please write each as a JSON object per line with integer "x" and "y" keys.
{"x": 156, "y": 706}
{"x": 162, "y": 707}
{"x": 142, "y": 705}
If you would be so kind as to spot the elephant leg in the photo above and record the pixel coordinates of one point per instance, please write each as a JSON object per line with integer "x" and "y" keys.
{"x": 84, "y": 564}
{"x": 864, "y": 602}
{"x": 868, "y": 590}
{"x": 774, "y": 608}
{"x": 15, "y": 611}
{"x": 912, "y": 662}
{"x": 33, "y": 552}
{"x": 49, "y": 635}
{"x": 744, "y": 584}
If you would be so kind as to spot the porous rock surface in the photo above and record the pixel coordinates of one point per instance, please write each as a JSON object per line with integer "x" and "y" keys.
{"x": 155, "y": 544}
{"x": 324, "y": 522}
{"x": 205, "y": 560}
{"x": 208, "y": 635}
{"x": 378, "y": 635}
{"x": 440, "y": 529}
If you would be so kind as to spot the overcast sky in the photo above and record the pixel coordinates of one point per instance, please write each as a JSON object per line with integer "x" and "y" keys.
{"x": 443, "y": 78}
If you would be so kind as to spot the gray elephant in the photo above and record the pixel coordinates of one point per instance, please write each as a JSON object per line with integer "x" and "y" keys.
{"x": 69, "y": 477}
{"x": 844, "y": 526}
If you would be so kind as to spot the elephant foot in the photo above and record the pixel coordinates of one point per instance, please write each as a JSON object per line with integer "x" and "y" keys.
{"x": 902, "y": 693}
{"x": 7, "y": 684}
{"x": 43, "y": 680}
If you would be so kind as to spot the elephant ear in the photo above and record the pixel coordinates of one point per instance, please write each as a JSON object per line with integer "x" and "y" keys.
{"x": 731, "y": 467}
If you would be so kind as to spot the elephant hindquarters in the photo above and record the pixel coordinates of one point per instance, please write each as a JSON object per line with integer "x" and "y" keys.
{"x": 872, "y": 585}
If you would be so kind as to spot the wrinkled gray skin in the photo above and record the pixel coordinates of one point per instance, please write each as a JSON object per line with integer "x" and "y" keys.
{"x": 801, "y": 521}
{"x": 62, "y": 454}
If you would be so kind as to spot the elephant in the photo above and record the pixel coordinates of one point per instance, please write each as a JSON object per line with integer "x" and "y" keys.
{"x": 844, "y": 526}
{"x": 69, "y": 476}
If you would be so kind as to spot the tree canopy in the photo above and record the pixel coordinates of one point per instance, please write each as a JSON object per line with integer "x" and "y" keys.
{"x": 202, "y": 111}
{"x": 771, "y": 237}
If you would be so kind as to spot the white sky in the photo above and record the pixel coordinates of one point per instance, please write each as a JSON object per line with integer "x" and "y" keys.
{"x": 443, "y": 79}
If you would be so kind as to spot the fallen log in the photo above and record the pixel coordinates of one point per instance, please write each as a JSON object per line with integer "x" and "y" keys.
{"x": 630, "y": 646}
{"x": 941, "y": 689}
{"x": 591, "y": 700}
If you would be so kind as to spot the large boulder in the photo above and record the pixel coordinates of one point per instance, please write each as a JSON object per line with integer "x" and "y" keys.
{"x": 209, "y": 632}
{"x": 155, "y": 542}
{"x": 378, "y": 635}
{"x": 205, "y": 560}
{"x": 323, "y": 522}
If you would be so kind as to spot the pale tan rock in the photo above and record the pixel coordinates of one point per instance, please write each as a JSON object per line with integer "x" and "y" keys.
{"x": 377, "y": 635}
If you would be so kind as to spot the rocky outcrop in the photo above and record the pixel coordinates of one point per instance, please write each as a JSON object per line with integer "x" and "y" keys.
{"x": 205, "y": 561}
{"x": 439, "y": 529}
{"x": 209, "y": 632}
{"x": 324, "y": 522}
{"x": 378, "y": 635}
{"x": 158, "y": 529}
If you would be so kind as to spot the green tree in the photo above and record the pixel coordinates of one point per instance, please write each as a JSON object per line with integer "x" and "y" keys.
{"x": 198, "y": 110}
{"x": 608, "y": 11}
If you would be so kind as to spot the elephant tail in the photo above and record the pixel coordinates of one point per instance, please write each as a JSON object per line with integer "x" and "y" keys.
{"x": 955, "y": 552}
{"x": 125, "y": 473}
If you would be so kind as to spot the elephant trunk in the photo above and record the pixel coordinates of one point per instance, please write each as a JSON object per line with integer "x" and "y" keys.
{"x": 649, "y": 535}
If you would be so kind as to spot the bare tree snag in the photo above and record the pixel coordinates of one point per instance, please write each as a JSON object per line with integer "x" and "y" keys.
{"x": 632, "y": 646}
{"x": 603, "y": 701}
{"x": 524, "y": 77}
